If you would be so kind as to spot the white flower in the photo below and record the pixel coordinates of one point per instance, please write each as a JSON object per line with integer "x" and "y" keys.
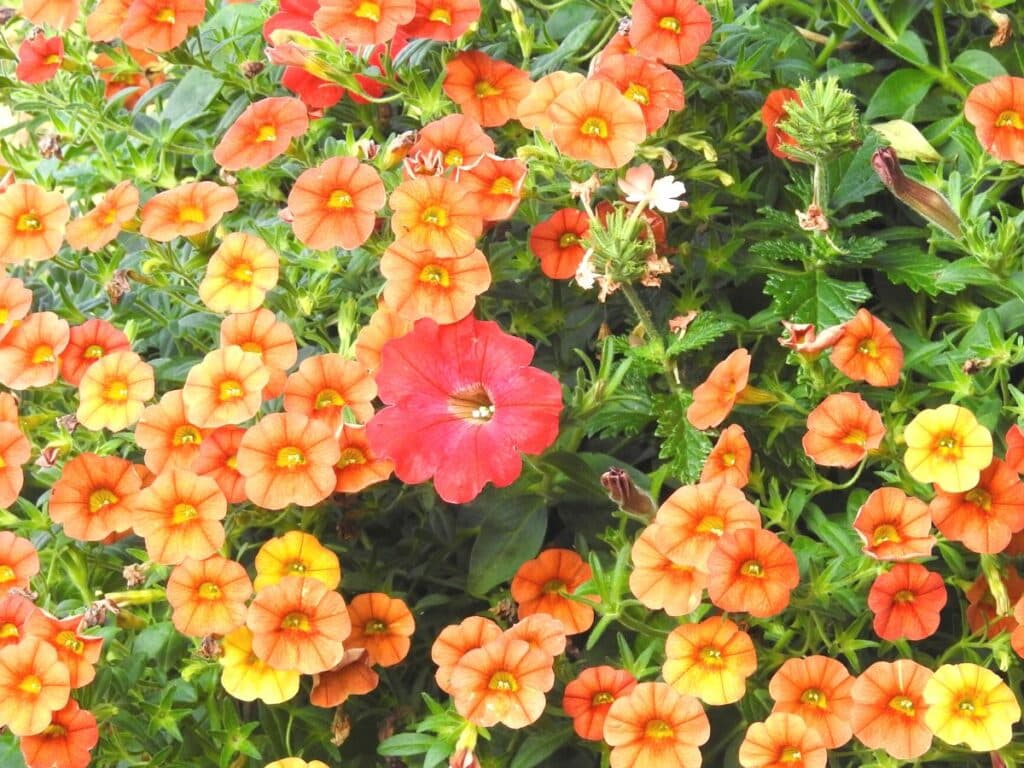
{"x": 640, "y": 186}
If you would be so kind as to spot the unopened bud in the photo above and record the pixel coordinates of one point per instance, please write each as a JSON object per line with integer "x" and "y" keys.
{"x": 250, "y": 69}
{"x": 624, "y": 492}
{"x": 923, "y": 199}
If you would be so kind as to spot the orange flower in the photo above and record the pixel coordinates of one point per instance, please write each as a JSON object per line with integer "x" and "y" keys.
{"x": 443, "y": 20}
{"x": 889, "y": 709}
{"x": 15, "y": 612}
{"x": 701, "y": 513}
{"x": 455, "y": 641}
{"x": 239, "y": 274}
{"x": 103, "y": 223}
{"x": 87, "y": 343}
{"x": 335, "y": 205}
{"x": 15, "y": 303}
{"x": 817, "y": 689}
{"x": 261, "y": 332}
{"x": 532, "y": 111}
{"x": 226, "y": 388}
{"x": 34, "y": 683}
{"x": 169, "y": 438}
{"x": 296, "y": 554}
{"x": 841, "y": 431}
{"x": 664, "y": 573}
{"x": 32, "y": 223}
{"x": 382, "y": 625}
{"x": 299, "y": 624}
{"x": 39, "y": 57}
{"x": 947, "y": 446}
{"x": 670, "y": 30}
{"x": 710, "y": 660}
{"x": 906, "y": 602}
{"x": 60, "y": 14}
{"x": 208, "y": 596}
{"x": 261, "y": 133}
{"x": 363, "y": 22}
{"x": 557, "y": 242}
{"x": 30, "y": 353}
{"x": 502, "y": 682}
{"x": 187, "y": 209}
{"x": 247, "y": 678}
{"x": 588, "y": 698}
{"x": 430, "y": 214}
{"x": 982, "y": 611}
{"x": 655, "y": 726}
{"x": 419, "y": 284}
{"x": 714, "y": 399}
{"x": 985, "y": 517}
{"x": 651, "y": 86}
{"x": 217, "y": 460}
{"x": 353, "y": 676}
{"x": 1015, "y": 448}
{"x": 782, "y": 741}
{"x": 94, "y": 496}
{"x": 894, "y": 526}
{"x": 996, "y": 110}
{"x": 729, "y": 460}
{"x": 868, "y": 351}
{"x": 288, "y": 458}
{"x": 78, "y": 652}
{"x": 595, "y": 122}
{"x": 15, "y": 450}
{"x": 160, "y": 25}
{"x": 459, "y": 141}
{"x": 541, "y": 631}
{"x": 773, "y": 111}
{"x": 494, "y": 186}
{"x": 66, "y": 741}
{"x": 358, "y": 466}
{"x": 134, "y": 69}
{"x": 179, "y": 515}
{"x": 19, "y": 562}
{"x": 325, "y": 385}
{"x": 538, "y": 584}
{"x": 9, "y": 408}
{"x": 487, "y": 90}
{"x": 752, "y": 570}
{"x": 384, "y": 326}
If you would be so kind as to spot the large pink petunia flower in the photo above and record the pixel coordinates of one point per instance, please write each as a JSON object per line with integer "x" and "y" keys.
{"x": 463, "y": 403}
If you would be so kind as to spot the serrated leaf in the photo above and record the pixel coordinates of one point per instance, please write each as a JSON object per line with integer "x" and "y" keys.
{"x": 814, "y": 297}
{"x": 705, "y": 328}
{"x": 683, "y": 446}
{"x": 781, "y": 250}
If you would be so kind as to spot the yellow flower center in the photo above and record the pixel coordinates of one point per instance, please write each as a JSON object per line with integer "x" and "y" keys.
{"x": 567, "y": 240}
{"x": 328, "y": 398}
{"x": 231, "y": 462}
{"x": 297, "y": 567}
{"x": 711, "y": 657}
{"x": 658, "y": 730}
{"x": 186, "y": 434}
{"x": 8, "y": 630}
{"x": 980, "y": 498}
{"x": 209, "y": 591}
{"x": 752, "y": 568}
{"x": 435, "y": 274}
{"x": 948, "y": 446}
{"x": 790, "y": 755}
{"x": 441, "y": 16}
{"x": 601, "y": 698}
{"x": 230, "y": 390}
{"x": 868, "y": 347}
{"x": 6, "y": 574}
{"x": 296, "y": 621}
{"x": 290, "y": 457}
{"x": 101, "y": 498}
{"x": 485, "y": 90}
{"x": 183, "y": 513}
{"x": 242, "y": 272}
{"x": 1010, "y": 119}
{"x": 503, "y": 186}
{"x": 53, "y": 59}
{"x": 904, "y": 596}
{"x": 553, "y": 586}
{"x": 5, "y": 313}
{"x": 31, "y": 685}
{"x": 116, "y": 391}
{"x": 884, "y": 534}
{"x": 815, "y": 698}
{"x": 855, "y": 437}
{"x": 252, "y": 346}
{"x": 71, "y": 641}
{"x": 351, "y": 456}
{"x": 29, "y": 222}
{"x": 43, "y": 354}
{"x": 435, "y": 215}
{"x": 967, "y": 706}
{"x": 191, "y": 214}
{"x": 93, "y": 352}
{"x": 453, "y": 157}
{"x": 903, "y": 705}
{"x": 375, "y": 627}
{"x": 638, "y": 93}
{"x": 595, "y": 127}
{"x": 266, "y": 133}
{"x": 503, "y": 681}
{"x": 368, "y": 10}
{"x": 109, "y": 217}
{"x": 670, "y": 23}
{"x": 711, "y": 524}
{"x": 340, "y": 199}
{"x": 165, "y": 16}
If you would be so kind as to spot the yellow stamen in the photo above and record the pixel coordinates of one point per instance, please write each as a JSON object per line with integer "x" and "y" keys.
{"x": 436, "y": 275}
{"x": 183, "y": 513}
{"x": 290, "y": 457}
{"x": 368, "y": 10}
{"x": 503, "y": 681}
{"x": 101, "y": 498}
{"x": 340, "y": 199}
{"x": 595, "y": 127}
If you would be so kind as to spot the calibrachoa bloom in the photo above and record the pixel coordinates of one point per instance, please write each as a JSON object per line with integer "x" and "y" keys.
{"x": 34, "y": 683}
{"x": 179, "y": 515}
{"x": 752, "y": 570}
{"x": 296, "y": 762}
{"x": 443, "y": 20}
{"x": 532, "y": 111}
{"x": 947, "y": 446}
{"x": 30, "y": 353}
{"x": 996, "y": 110}
{"x": 772, "y": 112}
{"x": 493, "y": 185}
{"x": 487, "y": 90}
{"x": 1015, "y": 448}
{"x": 666, "y": 574}
{"x": 113, "y": 391}
{"x": 358, "y": 466}
{"x": 66, "y": 742}
{"x": 15, "y": 303}
{"x": 384, "y": 326}
{"x": 261, "y": 133}
{"x": 430, "y": 213}
{"x": 19, "y": 562}
{"x": 670, "y": 30}
{"x": 971, "y": 705}
{"x": 239, "y": 274}
{"x": 590, "y": 695}
{"x": 816, "y": 688}
{"x": 39, "y": 58}
{"x": 729, "y": 460}
{"x": 459, "y": 140}
{"x": 382, "y": 625}
{"x": 325, "y": 385}
{"x": 335, "y": 205}
{"x": 702, "y": 513}
{"x": 983, "y": 613}
{"x": 32, "y": 223}
{"x": 15, "y": 613}
{"x": 247, "y": 677}
{"x": 352, "y": 676}
{"x": 160, "y": 25}
{"x": 889, "y": 710}
{"x": 87, "y": 343}
{"x": 595, "y": 122}
{"x": 541, "y": 631}
{"x": 77, "y": 651}
{"x": 94, "y": 496}
{"x": 226, "y": 388}
{"x": 714, "y": 399}
{"x": 187, "y": 209}
{"x": 468, "y": 387}
{"x": 208, "y": 596}
{"x": 538, "y": 585}
{"x": 167, "y": 435}
{"x": 455, "y": 641}
{"x": 868, "y": 351}
{"x": 15, "y": 450}
{"x": 56, "y": 13}
{"x": 906, "y": 602}
{"x": 652, "y": 86}
{"x": 296, "y": 554}
{"x": 782, "y": 741}
{"x": 363, "y": 22}
{"x": 420, "y": 284}
{"x": 103, "y": 223}
{"x": 557, "y": 242}
{"x": 710, "y": 660}
{"x": 894, "y": 526}
{"x": 655, "y": 726}
{"x": 841, "y": 430}
{"x": 985, "y": 517}
{"x": 262, "y": 333}
{"x": 216, "y": 459}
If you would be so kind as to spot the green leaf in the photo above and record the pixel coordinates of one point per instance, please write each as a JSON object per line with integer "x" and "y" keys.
{"x": 684, "y": 446}
{"x": 406, "y": 744}
{"x": 916, "y": 269}
{"x": 190, "y": 98}
{"x": 537, "y": 747}
{"x": 857, "y": 177}
{"x": 781, "y": 250}
{"x": 512, "y": 532}
{"x": 814, "y": 297}
{"x": 977, "y": 66}
{"x": 705, "y": 328}
{"x": 899, "y": 94}
{"x": 911, "y": 48}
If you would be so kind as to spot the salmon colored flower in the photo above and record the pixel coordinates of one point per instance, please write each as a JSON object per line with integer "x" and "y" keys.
{"x": 816, "y": 688}
{"x": 15, "y": 303}
{"x": 34, "y": 683}
{"x": 384, "y": 326}
{"x": 889, "y": 709}
{"x": 1015, "y": 448}
{"x": 103, "y": 223}
{"x": 358, "y": 467}
{"x": 1016, "y": 638}
{"x": 494, "y": 186}
{"x": 134, "y": 71}
{"x": 420, "y": 284}
{"x": 226, "y": 388}
{"x": 502, "y": 682}
{"x": 169, "y": 438}
{"x": 670, "y": 30}
{"x": 996, "y": 110}
{"x": 179, "y": 515}
{"x": 487, "y": 90}
{"x": 15, "y": 613}
{"x": 353, "y": 676}
{"x": 596, "y": 123}
{"x": 539, "y": 584}
{"x": 208, "y": 596}
{"x": 363, "y": 22}
{"x": 262, "y": 132}
{"x": 752, "y": 570}
{"x": 294, "y": 762}
{"x": 971, "y": 705}
{"x": 15, "y": 450}
{"x": 247, "y": 678}
{"x": 702, "y": 513}
{"x": 729, "y": 460}
{"x": 67, "y": 741}
{"x": 32, "y": 223}
{"x": 187, "y": 209}
{"x": 558, "y": 242}
{"x": 288, "y": 458}
{"x": 455, "y": 641}
{"x": 94, "y": 497}
{"x": 894, "y": 526}
{"x": 9, "y": 408}
{"x": 665, "y": 575}
{"x": 532, "y": 111}
{"x": 591, "y": 694}
{"x": 984, "y": 518}
{"x": 714, "y": 399}
{"x": 947, "y": 446}
{"x": 77, "y": 651}
{"x": 262, "y": 333}
{"x": 443, "y": 20}
{"x": 655, "y": 726}
{"x": 160, "y": 25}
{"x": 296, "y": 554}
{"x": 39, "y": 58}
{"x": 710, "y": 660}
{"x": 382, "y": 625}
{"x": 239, "y": 274}
{"x": 430, "y": 213}
{"x": 541, "y": 631}
{"x": 773, "y": 111}
{"x": 468, "y": 387}
{"x": 30, "y": 352}
{"x": 216, "y": 459}
{"x": 113, "y": 391}
{"x": 87, "y": 343}
{"x": 458, "y": 139}
{"x": 325, "y": 385}
{"x": 299, "y": 624}
{"x": 868, "y": 351}
{"x": 841, "y": 431}
{"x": 906, "y": 602}
{"x": 782, "y": 741}
{"x": 651, "y": 86}
{"x": 59, "y": 14}
{"x": 335, "y": 205}
{"x": 19, "y": 562}
{"x": 982, "y": 611}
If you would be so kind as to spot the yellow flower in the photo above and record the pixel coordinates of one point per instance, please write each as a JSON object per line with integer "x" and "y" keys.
{"x": 247, "y": 678}
{"x": 296, "y": 554}
{"x": 971, "y": 705}
{"x": 947, "y": 446}
{"x": 113, "y": 392}
{"x": 296, "y": 762}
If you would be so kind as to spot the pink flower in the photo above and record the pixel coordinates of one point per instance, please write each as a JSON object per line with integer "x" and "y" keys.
{"x": 463, "y": 403}
{"x": 639, "y": 186}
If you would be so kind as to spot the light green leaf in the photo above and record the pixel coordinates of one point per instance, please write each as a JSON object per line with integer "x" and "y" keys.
{"x": 907, "y": 141}
{"x": 192, "y": 95}
{"x": 899, "y": 94}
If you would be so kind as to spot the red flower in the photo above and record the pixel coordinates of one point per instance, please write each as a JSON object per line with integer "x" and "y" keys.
{"x": 984, "y": 518}
{"x": 772, "y": 112}
{"x": 589, "y": 697}
{"x": 670, "y": 30}
{"x": 39, "y": 58}
{"x": 463, "y": 403}
{"x": 906, "y": 602}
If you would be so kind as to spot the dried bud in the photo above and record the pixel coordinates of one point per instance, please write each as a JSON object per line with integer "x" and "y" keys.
{"x": 7, "y": 180}
{"x": 803, "y": 339}
{"x": 813, "y": 220}
{"x": 6, "y": 14}
{"x": 625, "y": 24}
{"x": 96, "y": 614}
{"x": 430, "y": 163}
{"x": 28, "y": 594}
{"x": 923, "y": 199}
{"x": 463, "y": 758}
{"x": 976, "y": 364}
{"x": 341, "y": 727}
{"x": 210, "y": 648}
{"x": 48, "y": 456}
{"x": 250, "y": 69}
{"x": 584, "y": 190}
{"x": 118, "y": 286}
{"x": 504, "y": 610}
{"x": 50, "y": 146}
{"x": 134, "y": 574}
{"x": 68, "y": 422}
{"x": 624, "y": 492}
{"x": 680, "y": 323}
{"x": 656, "y": 266}
{"x": 399, "y": 148}
{"x": 1003, "y": 31}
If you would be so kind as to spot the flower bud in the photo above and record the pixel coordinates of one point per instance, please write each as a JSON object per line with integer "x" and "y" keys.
{"x": 624, "y": 492}
{"x": 923, "y": 199}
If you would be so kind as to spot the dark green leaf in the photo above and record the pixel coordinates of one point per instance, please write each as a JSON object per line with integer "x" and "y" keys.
{"x": 190, "y": 98}
{"x": 684, "y": 446}
{"x": 814, "y": 297}
{"x": 538, "y": 747}
{"x": 899, "y": 93}
{"x": 512, "y": 531}
{"x": 978, "y": 66}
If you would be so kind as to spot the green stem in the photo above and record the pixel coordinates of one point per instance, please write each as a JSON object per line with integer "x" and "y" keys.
{"x": 883, "y": 22}
{"x": 940, "y": 36}
{"x": 651, "y": 330}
